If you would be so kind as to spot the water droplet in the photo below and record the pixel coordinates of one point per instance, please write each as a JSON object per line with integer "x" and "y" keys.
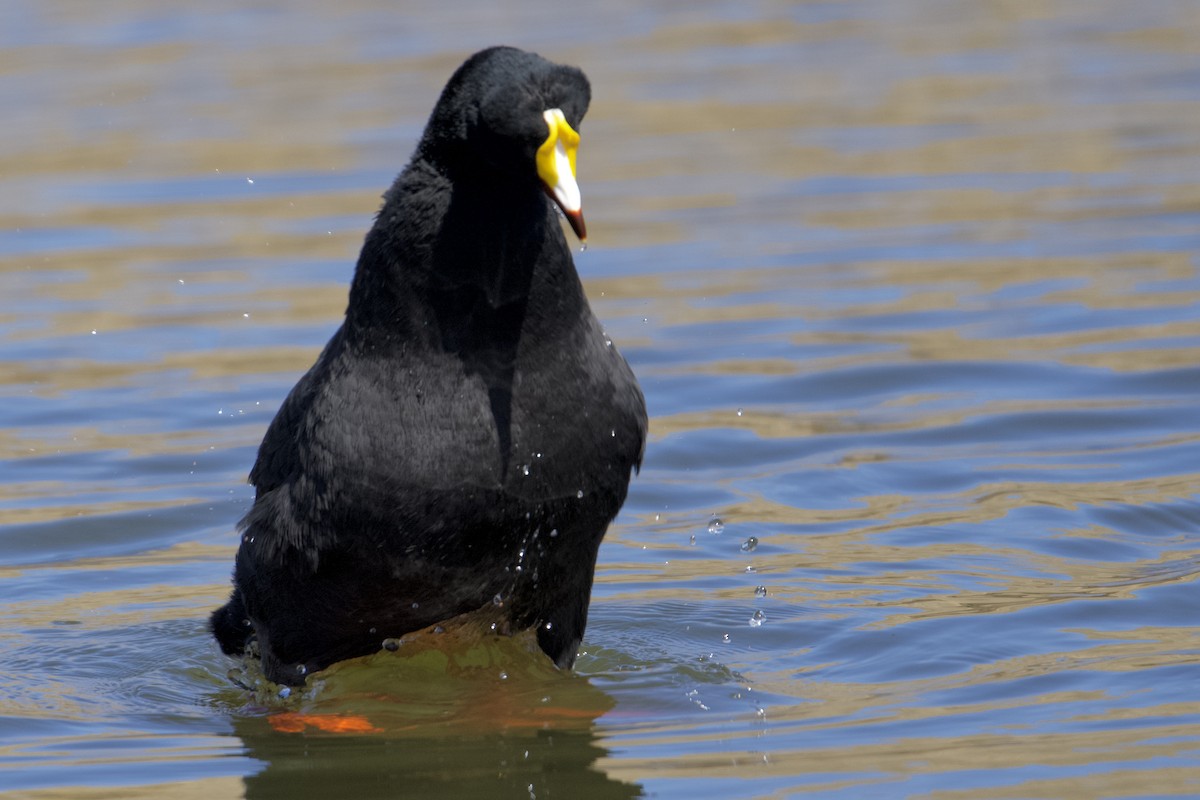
{"x": 751, "y": 569}
{"x": 583, "y": 247}
{"x": 760, "y": 591}
{"x": 692, "y": 539}
{"x": 301, "y": 669}
{"x": 416, "y": 605}
{"x": 750, "y": 545}
{"x": 725, "y": 638}
{"x": 372, "y": 630}
{"x": 525, "y": 469}
{"x": 503, "y": 675}
{"x": 548, "y": 625}
{"x": 757, "y": 619}
{"x": 438, "y": 629}
{"x": 285, "y": 692}
{"x": 739, "y": 412}
{"x": 553, "y": 532}
{"x": 614, "y": 433}
{"x": 579, "y": 494}
{"x": 497, "y": 600}
{"x": 715, "y": 525}
{"x": 391, "y": 645}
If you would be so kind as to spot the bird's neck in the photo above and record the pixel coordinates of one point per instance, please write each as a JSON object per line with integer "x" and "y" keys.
{"x": 463, "y": 248}
{"x": 493, "y": 235}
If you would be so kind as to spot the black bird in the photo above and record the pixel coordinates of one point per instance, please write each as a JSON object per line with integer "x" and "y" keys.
{"x": 468, "y": 433}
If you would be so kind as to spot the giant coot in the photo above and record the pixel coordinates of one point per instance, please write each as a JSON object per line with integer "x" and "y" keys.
{"x": 468, "y": 433}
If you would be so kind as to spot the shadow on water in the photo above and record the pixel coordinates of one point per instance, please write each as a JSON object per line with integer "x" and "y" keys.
{"x": 486, "y": 716}
{"x": 543, "y": 763}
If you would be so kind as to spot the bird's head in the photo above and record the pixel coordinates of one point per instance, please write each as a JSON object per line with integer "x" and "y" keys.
{"x": 515, "y": 113}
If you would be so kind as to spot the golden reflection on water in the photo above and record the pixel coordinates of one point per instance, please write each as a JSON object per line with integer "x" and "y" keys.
{"x": 96, "y": 610}
{"x": 177, "y": 554}
{"x": 981, "y": 503}
{"x": 769, "y": 425}
{"x": 197, "y": 789}
{"x": 59, "y": 511}
{"x": 996, "y": 752}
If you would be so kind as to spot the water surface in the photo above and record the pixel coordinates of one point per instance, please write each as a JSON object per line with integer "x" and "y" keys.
{"x": 912, "y": 289}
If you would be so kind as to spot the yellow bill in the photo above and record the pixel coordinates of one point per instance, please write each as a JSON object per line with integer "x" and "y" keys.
{"x": 556, "y": 168}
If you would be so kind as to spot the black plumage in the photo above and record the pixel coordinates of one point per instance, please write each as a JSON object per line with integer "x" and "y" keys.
{"x": 469, "y": 432}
